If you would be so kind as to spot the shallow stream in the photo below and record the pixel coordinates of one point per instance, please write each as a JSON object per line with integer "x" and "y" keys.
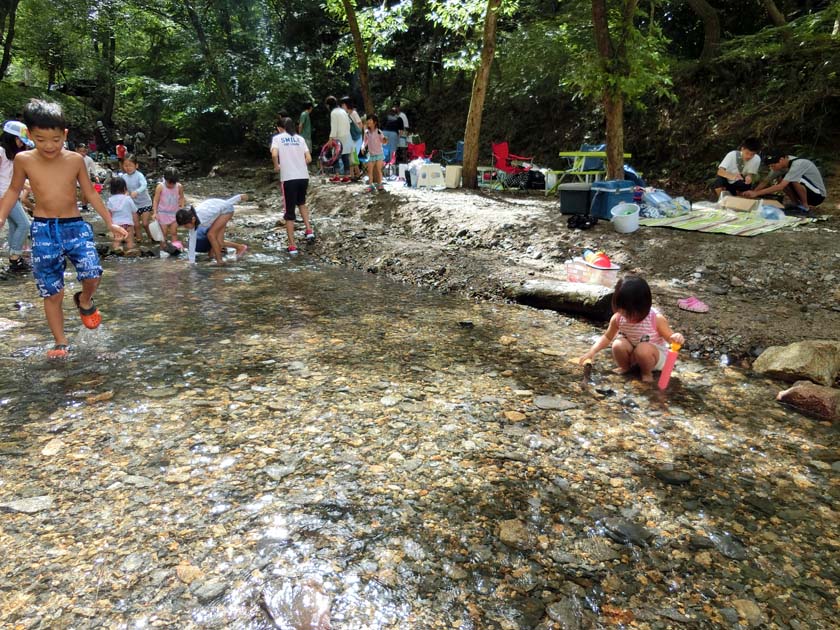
{"x": 277, "y": 444}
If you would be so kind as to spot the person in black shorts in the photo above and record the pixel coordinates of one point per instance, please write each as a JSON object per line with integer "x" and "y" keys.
{"x": 290, "y": 156}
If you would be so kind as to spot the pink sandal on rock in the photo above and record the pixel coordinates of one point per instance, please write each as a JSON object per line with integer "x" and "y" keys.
{"x": 693, "y": 305}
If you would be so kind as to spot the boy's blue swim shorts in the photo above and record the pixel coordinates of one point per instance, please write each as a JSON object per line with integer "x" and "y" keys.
{"x": 52, "y": 240}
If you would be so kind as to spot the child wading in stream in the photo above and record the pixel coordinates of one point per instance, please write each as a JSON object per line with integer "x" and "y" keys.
{"x": 290, "y": 156}
{"x": 169, "y": 198}
{"x": 207, "y": 223}
{"x": 138, "y": 190}
{"x": 58, "y": 229}
{"x": 638, "y": 333}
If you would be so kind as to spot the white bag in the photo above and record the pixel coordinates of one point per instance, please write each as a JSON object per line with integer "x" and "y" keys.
{"x": 155, "y": 231}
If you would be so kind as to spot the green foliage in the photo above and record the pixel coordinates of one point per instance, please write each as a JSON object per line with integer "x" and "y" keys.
{"x": 378, "y": 25}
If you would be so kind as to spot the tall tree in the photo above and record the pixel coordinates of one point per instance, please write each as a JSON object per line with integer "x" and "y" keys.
{"x": 361, "y": 53}
{"x": 8, "y": 13}
{"x": 479, "y": 93}
{"x": 776, "y": 16}
{"x": 711, "y": 28}
{"x": 611, "y": 45}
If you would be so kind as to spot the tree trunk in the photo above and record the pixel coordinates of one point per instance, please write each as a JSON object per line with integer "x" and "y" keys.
{"x": 776, "y": 16}
{"x": 479, "y": 93}
{"x": 614, "y": 114}
{"x": 222, "y": 86}
{"x": 109, "y": 48}
{"x": 361, "y": 54}
{"x": 10, "y": 12}
{"x": 711, "y": 28}
{"x": 612, "y": 54}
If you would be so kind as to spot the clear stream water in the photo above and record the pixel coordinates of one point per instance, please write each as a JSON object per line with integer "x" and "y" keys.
{"x": 281, "y": 444}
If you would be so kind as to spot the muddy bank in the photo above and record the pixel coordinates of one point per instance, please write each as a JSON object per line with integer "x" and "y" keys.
{"x": 770, "y": 289}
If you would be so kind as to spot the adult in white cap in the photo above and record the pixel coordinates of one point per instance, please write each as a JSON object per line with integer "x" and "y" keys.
{"x": 13, "y": 140}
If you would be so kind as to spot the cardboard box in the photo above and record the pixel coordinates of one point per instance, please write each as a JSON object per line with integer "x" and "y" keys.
{"x": 742, "y": 204}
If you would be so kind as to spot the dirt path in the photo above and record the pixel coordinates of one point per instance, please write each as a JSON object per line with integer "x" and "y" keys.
{"x": 766, "y": 290}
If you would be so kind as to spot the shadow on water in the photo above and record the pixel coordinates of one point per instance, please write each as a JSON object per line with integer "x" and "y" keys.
{"x": 369, "y": 455}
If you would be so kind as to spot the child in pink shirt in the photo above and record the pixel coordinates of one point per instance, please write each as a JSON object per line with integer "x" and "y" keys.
{"x": 373, "y": 143}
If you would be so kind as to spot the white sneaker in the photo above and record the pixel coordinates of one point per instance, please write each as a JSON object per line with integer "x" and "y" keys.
{"x": 293, "y": 251}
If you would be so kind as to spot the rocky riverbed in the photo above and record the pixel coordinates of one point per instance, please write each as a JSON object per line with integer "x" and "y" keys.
{"x": 282, "y": 443}
{"x": 767, "y": 290}
{"x": 279, "y": 443}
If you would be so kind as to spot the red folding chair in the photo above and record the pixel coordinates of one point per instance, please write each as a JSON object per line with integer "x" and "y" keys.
{"x": 390, "y": 164}
{"x": 510, "y": 166}
{"x": 418, "y": 152}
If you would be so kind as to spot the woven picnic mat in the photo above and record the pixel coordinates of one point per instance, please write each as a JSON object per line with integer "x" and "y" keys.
{"x": 724, "y": 222}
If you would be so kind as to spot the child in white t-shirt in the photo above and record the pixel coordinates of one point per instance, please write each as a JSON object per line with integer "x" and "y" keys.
{"x": 291, "y": 157}
{"x": 123, "y": 210}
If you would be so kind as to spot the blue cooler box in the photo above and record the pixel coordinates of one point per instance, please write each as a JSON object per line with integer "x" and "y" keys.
{"x": 607, "y": 195}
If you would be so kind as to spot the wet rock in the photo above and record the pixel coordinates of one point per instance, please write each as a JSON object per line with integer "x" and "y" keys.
{"x": 278, "y": 472}
{"x": 162, "y": 392}
{"x": 554, "y": 402}
{"x": 813, "y": 400}
{"x": 565, "y": 613}
{"x": 567, "y": 297}
{"x": 132, "y": 562}
{"x": 674, "y": 615}
{"x": 817, "y": 361}
{"x": 138, "y": 481}
{"x": 31, "y": 505}
{"x": 728, "y": 545}
{"x": 515, "y": 533}
{"x": 208, "y": 590}
{"x": 700, "y": 542}
{"x": 761, "y": 504}
{"x": 673, "y": 477}
{"x": 624, "y": 532}
{"x": 749, "y": 611}
{"x": 53, "y": 447}
{"x": 730, "y": 616}
{"x": 390, "y": 401}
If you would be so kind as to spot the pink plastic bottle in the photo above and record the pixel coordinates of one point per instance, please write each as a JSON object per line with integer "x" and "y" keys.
{"x": 670, "y": 360}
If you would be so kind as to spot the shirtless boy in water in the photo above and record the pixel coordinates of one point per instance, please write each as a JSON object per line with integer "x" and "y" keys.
{"x": 57, "y": 228}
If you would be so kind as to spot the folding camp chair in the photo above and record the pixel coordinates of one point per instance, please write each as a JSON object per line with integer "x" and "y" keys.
{"x": 418, "y": 152}
{"x": 390, "y": 165}
{"x": 453, "y": 157}
{"x": 510, "y": 167}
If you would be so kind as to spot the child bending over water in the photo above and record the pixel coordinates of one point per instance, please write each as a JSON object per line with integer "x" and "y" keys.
{"x": 213, "y": 215}
{"x": 638, "y": 333}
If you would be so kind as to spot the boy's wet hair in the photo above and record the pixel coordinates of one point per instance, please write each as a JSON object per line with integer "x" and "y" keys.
{"x": 118, "y": 186}
{"x": 44, "y": 115}
{"x": 170, "y": 174}
{"x": 185, "y": 215}
{"x": 751, "y": 144}
{"x": 632, "y": 298}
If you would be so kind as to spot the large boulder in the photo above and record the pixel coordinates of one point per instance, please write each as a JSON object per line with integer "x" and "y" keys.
{"x": 814, "y": 400}
{"x": 592, "y": 300}
{"x": 817, "y": 361}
